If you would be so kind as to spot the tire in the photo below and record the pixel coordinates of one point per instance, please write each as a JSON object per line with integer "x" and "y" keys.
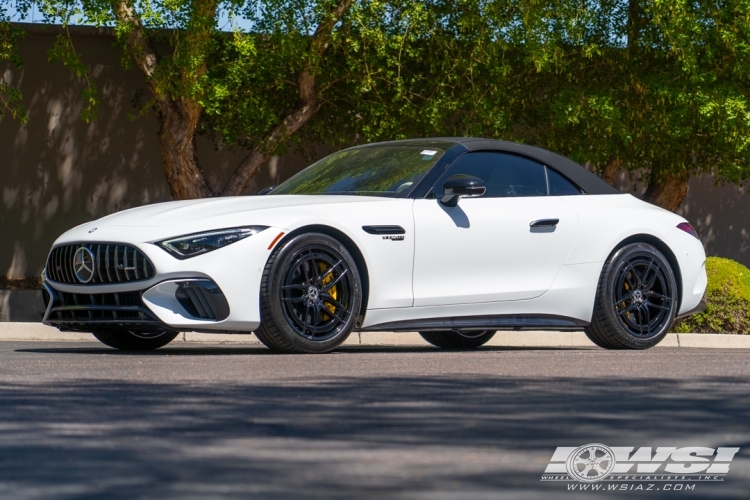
{"x": 455, "y": 340}
{"x": 636, "y": 299}
{"x": 310, "y": 295}
{"x": 127, "y": 340}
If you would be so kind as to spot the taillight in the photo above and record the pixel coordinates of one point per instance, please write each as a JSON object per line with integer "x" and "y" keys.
{"x": 689, "y": 229}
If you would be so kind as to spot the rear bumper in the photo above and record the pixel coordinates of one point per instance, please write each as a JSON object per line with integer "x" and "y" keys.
{"x": 698, "y": 309}
{"x": 691, "y": 258}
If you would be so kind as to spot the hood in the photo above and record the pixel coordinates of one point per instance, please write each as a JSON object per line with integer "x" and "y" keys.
{"x": 179, "y": 212}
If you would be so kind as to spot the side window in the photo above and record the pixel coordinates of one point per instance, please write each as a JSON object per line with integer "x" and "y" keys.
{"x": 505, "y": 174}
{"x": 559, "y": 185}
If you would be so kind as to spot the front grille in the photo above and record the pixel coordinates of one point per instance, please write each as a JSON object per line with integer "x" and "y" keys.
{"x": 79, "y": 309}
{"x": 112, "y": 264}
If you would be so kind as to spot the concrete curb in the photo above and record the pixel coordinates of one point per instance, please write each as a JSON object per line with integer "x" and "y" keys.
{"x": 39, "y": 332}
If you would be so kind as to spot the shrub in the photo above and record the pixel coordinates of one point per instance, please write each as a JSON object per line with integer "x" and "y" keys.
{"x": 728, "y": 298}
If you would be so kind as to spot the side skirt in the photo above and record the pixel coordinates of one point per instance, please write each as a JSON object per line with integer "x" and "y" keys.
{"x": 496, "y": 322}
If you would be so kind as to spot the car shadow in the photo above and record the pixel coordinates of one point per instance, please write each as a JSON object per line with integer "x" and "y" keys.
{"x": 195, "y": 350}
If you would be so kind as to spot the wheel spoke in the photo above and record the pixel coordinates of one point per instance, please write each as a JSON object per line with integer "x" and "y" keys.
{"x": 335, "y": 315}
{"x": 657, "y": 296}
{"x": 315, "y": 320}
{"x": 639, "y": 310}
{"x": 632, "y": 306}
{"x": 334, "y": 282}
{"x": 634, "y": 274}
{"x": 316, "y": 271}
{"x": 644, "y": 275}
{"x": 334, "y": 302}
{"x": 304, "y": 265}
{"x": 653, "y": 278}
{"x": 307, "y": 315}
{"x": 625, "y": 298}
{"x": 657, "y": 306}
{"x": 330, "y": 270}
{"x": 293, "y": 299}
{"x": 300, "y": 286}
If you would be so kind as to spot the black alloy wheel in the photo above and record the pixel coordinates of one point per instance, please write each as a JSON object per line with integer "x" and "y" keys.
{"x": 458, "y": 340}
{"x": 311, "y": 295}
{"x": 637, "y": 299}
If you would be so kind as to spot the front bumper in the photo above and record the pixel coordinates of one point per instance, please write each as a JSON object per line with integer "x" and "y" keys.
{"x": 179, "y": 297}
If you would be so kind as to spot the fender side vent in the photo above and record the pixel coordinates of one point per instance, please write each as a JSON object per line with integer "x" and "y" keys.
{"x": 384, "y": 229}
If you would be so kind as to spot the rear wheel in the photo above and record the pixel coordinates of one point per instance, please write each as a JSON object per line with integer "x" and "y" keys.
{"x": 128, "y": 340}
{"x": 458, "y": 340}
{"x": 636, "y": 299}
{"x": 310, "y": 295}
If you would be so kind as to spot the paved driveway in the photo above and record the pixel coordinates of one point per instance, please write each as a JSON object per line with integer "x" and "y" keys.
{"x": 194, "y": 421}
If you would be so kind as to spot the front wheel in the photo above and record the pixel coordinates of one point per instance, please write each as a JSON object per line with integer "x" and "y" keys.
{"x": 636, "y": 299}
{"x": 458, "y": 340}
{"x": 128, "y": 340}
{"x": 310, "y": 295}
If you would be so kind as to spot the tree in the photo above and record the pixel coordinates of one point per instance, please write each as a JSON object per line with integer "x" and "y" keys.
{"x": 177, "y": 46}
{"x": 656, "y": 87}
{"x": 659, "y": 88}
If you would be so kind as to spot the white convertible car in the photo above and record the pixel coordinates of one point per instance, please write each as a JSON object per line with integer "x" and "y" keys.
{"x": 453, "y": 238}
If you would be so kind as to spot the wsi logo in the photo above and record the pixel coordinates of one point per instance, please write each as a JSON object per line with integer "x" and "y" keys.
{"x": 598, "y": 462}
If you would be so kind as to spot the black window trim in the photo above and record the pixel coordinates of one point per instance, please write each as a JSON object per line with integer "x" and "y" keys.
{"x": 429, "y": 179}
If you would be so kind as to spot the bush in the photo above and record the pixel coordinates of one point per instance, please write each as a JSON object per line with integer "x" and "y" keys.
{"x": 728, "y": 300}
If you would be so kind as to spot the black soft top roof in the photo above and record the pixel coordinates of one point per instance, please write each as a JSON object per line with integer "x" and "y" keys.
{"x": 588, "y": 181}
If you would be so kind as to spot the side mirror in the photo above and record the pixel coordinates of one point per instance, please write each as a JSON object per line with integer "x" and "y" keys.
{"x": 266, "y": 190}
{"x": 461, "y": 186}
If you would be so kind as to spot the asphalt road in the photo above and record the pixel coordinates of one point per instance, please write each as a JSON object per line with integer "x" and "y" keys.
{"x": 80, "y": 421}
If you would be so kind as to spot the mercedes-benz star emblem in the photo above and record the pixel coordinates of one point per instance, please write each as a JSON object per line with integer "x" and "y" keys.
{"x": 83, "y": 264}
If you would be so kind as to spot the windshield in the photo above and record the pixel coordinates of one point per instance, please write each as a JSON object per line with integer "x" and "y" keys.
{"x": 371, "y": 171}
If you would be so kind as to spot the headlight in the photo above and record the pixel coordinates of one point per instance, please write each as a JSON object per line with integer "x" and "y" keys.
{"x": 192, "y": 245}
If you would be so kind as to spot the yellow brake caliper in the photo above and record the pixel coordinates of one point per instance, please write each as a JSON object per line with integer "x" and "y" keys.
{"x": 333, "y": 292}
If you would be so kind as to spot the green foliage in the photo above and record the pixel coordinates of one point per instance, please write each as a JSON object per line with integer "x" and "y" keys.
{"x": 659, "y": 85}
{"x": 728, "y": 298}
{"x": 64, "y": 52}
{"x": 10, "y": 97}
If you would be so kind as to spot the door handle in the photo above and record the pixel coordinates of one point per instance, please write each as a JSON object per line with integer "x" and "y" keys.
{"x": 544, "y": 223}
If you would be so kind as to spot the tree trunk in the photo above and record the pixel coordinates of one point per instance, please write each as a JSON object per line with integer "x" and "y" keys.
{"x": 610, "y": 171}
{"x": 178, "y": 116}
{"x": 177, "y": 124}
{"x": 668, "y": 192}
{"x": 240, "y": 179}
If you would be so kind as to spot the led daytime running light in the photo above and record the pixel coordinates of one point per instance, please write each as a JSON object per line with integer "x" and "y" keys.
{"x": 192, "y": 245}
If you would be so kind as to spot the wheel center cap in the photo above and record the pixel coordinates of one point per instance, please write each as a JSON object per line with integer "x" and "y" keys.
{"x": 638, "y": 296}
{"x": 312, "y": 293}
